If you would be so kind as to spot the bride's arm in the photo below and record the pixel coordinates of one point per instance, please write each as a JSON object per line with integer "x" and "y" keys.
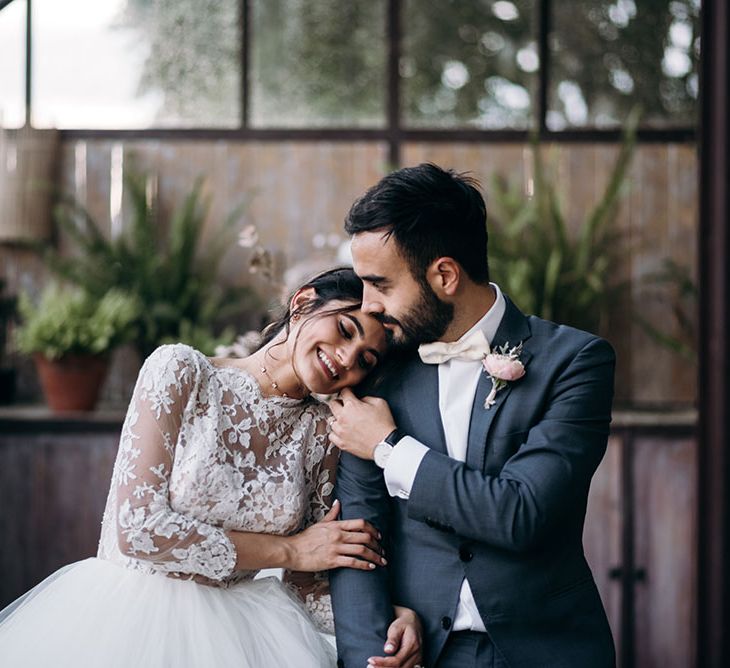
{"x": 149, "y": 529}
{"x": 147, "y": 526}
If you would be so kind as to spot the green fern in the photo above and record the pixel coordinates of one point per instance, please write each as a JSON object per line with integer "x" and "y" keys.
{"x": 163, "y": 263}
{"x": 547, "y": 271}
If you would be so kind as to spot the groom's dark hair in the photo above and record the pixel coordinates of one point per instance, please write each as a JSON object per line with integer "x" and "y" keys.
{"x": 431, "y": 212}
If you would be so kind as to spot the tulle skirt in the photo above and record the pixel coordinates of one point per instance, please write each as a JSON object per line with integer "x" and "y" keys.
{"x": 97, "y": 613}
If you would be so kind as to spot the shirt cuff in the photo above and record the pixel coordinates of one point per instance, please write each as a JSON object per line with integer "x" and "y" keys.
{"x": 402, "y": 466}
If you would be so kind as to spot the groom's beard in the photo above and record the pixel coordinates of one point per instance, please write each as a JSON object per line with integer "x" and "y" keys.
{"x": 423, "y": 322}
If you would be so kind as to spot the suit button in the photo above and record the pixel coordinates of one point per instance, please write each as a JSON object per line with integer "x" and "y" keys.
{"x": 446, "y": 623}
{"x": 465, "y": 554}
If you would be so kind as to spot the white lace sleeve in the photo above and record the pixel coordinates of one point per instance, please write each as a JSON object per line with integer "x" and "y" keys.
{"x": 147, "y": 526}
{"x": 313, "y": 588}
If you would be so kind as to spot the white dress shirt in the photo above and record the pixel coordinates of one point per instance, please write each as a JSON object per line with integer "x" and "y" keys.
{"x": 457, "y": 386}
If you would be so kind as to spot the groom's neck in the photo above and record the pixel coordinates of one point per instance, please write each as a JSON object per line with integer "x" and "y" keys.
{"x": 470, "y": 305}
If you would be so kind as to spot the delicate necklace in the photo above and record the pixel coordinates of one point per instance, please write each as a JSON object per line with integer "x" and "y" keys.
{"x": 273, "y": 383}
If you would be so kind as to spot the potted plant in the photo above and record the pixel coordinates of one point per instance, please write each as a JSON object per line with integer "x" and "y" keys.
{"x": 7, "y": 372}
{"x": 70, "y": 334}
{"x": 162, "y": 261}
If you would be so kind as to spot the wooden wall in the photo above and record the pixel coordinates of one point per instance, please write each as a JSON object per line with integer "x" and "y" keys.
{"x": 297, "y": 190}
{"x": 641, "y": 519}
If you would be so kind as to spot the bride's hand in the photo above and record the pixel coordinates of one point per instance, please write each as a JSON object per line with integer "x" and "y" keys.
{"x": 404, "y": 643}
{"x": 333, "y": 543}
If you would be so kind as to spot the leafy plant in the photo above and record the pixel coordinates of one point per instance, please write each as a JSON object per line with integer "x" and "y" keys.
{"x": 71, "y": 321}
{"x": 674, "y": 286}
{"x": 161, "y": 262}
{"x": 7, "y": 311}
{"x": 547, "y": 271}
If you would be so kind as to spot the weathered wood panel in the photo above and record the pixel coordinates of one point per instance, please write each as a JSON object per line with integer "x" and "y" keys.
{"x": 53, "y": 489}
{"x": 665, "y": 475}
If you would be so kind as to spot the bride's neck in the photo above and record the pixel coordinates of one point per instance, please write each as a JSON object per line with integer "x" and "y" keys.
{"x": 275, "y": 369}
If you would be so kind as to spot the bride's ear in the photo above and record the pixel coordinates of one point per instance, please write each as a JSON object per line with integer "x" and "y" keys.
{"x": 300, "y": 299}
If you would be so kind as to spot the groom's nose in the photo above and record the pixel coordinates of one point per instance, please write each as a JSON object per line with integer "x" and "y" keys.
{"x": 370, "y": 304}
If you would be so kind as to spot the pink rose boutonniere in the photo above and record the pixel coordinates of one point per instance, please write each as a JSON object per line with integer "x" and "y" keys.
{"x": 503, "y": 367}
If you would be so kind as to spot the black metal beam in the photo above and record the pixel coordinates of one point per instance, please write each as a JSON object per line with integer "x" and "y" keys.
{"x": 713, "y": 563}
{"x": 679, "y": 135}
{"x": 393, "y": 32}
{"x": 543, "y": 46}
{"x": 28, "y": 61}
{"x": 245, "y": 35}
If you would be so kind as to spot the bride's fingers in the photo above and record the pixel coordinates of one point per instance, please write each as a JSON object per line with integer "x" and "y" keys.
{"x": 362, "y": 552}
{"x": 361, "y": 526}
{"x": 332, "y": 513}
{"x": 353, "y": 562}
{"x": 358, "y": 538}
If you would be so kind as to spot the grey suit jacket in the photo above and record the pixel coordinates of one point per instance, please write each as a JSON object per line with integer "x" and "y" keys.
{"x": 510, "y": 518}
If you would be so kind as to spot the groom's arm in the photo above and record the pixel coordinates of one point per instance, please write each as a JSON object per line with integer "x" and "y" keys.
{"x": 360, "y": 599}
{"x": 537, "y": 486}
{"x": 542, "y": 481}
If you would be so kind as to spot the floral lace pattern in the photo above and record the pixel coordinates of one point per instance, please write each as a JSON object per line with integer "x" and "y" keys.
{"x": 202, "y": 451}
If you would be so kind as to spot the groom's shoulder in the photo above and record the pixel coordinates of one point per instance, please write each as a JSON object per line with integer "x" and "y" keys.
{"x": 551, "y": 336}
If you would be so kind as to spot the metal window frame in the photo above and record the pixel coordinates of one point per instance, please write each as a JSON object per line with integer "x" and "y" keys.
{"x": 394, "y": 133}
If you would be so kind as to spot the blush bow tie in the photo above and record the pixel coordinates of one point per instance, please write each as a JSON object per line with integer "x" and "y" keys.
{"x": 473, "y": 347}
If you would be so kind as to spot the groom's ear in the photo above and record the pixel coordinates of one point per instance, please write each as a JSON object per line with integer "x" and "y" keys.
{"x": 443, "y": 275}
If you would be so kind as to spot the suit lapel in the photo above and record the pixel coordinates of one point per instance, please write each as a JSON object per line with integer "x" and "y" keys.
{"x": 420, "y": 388}
{"x": 513, "y": 330}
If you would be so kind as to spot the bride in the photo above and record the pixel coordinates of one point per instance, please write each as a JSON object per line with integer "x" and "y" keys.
{"x": 224, "y": 468}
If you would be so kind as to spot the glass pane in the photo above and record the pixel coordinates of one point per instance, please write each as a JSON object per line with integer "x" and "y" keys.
{"x": 609, "y": 56}
{"x": 469, "y": 63}
{"x": 12, "y": 65}
{"x": 136, "y": 63}
{"x": 318, "y": 63}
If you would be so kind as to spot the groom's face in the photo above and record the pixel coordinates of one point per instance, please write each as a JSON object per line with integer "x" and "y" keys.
{"x": 408, "y": 309}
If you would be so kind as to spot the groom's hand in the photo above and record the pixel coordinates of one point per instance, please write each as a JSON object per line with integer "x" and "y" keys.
{"x": 404, "y": 643}
{"x": 358, "y": 426}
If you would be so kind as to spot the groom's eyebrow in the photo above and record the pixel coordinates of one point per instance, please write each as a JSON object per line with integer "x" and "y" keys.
{"x": 374, "y": 279}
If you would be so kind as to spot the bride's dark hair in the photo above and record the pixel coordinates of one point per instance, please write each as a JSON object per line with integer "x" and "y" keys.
{"x": 338, "y": 284}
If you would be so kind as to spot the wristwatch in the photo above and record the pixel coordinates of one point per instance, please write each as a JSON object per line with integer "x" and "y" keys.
{"x": 382, "y": 450}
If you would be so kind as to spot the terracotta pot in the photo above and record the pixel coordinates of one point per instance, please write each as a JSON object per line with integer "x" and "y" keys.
{"x": 73, "y": 382}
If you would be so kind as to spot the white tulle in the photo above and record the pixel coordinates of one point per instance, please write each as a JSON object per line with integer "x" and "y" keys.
{"x": 97, "y": 613}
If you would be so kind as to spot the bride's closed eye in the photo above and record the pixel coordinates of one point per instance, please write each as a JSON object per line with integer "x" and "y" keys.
{"x": 348, "y": 332}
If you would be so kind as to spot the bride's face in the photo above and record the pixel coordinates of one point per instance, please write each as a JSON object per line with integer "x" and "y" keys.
{"x": 331, "y": 351}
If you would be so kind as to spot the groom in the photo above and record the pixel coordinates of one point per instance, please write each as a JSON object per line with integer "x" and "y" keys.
{"x": 477, "y": 482}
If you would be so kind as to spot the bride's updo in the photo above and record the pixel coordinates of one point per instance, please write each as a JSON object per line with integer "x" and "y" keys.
{"x": 338, "y": 284}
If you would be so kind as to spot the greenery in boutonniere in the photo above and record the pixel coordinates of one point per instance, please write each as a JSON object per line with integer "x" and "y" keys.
{"x": 567, "y": 278}
{"x": 161, "y": 262}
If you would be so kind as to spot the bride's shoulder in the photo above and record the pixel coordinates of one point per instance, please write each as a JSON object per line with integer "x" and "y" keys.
{"x": 174, "y": 357}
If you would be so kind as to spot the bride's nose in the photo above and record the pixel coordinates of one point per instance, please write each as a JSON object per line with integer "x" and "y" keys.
{"x": 346, "y": 355}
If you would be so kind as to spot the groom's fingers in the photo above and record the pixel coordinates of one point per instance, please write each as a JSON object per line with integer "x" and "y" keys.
{"x": 347, "y": 395}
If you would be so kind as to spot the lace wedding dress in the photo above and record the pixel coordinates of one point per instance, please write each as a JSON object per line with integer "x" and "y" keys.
{"x": 201, "y": 452}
